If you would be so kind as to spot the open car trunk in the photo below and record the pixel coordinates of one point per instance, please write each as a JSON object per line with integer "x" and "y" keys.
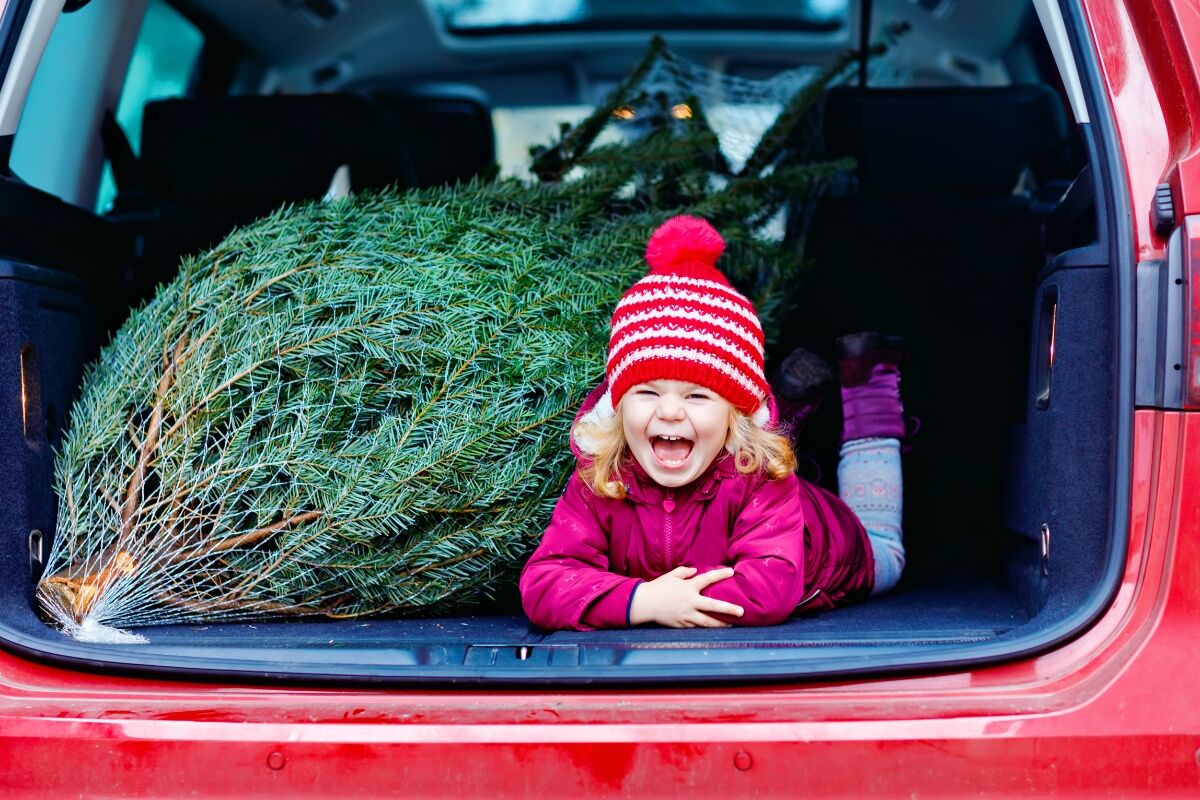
{"x": 979, "y": 224}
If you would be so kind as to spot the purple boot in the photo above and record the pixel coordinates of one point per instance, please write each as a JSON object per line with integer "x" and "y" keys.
{"x": 800, "y": 386}
{"x": 869, "y": 364}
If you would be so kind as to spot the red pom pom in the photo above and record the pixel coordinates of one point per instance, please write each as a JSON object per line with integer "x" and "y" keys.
{"x": 681, "y": 241}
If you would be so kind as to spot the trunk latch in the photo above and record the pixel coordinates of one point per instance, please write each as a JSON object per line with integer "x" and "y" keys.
{"x": 1163, "y": 211}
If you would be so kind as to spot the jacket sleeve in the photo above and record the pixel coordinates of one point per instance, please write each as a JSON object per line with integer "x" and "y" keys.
{"x": 567, "y": 583}
{"x": 766, "y": 551}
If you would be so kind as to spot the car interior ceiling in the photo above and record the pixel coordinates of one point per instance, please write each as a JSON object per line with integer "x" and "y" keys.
{"x": 946, "y": 233}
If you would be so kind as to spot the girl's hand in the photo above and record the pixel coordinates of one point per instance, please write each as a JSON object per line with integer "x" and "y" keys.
{"x": 674, "y": 600}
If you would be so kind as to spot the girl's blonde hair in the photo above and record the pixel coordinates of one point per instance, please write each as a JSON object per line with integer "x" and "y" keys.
{"x": 754, "y": 449}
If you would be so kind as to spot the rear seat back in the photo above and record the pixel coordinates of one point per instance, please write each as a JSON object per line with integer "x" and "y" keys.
{"x": 965, "y": 141}
{"x": 209, "y": 164}
{"x": 263, "y": 151}
{"x": 448, "y": 127}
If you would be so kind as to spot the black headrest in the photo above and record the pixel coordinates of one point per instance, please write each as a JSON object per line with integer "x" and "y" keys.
{"x": 277, "y": 147}
{"x": 448, "y": 126}
{"x": 969, "y": 140}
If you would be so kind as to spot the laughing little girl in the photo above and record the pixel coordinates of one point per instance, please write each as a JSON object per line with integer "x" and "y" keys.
{"x": 684, "y": 509}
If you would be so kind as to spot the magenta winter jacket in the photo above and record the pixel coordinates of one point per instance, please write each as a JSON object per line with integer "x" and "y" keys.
{"x": 792, "y": 545}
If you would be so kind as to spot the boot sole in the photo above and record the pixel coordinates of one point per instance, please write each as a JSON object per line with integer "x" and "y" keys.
{"x": 856, "y": 345}
{"x": 803, "y": 376}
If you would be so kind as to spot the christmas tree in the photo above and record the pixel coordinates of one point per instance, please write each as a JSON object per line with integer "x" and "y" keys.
{"x": 361, "y": 407}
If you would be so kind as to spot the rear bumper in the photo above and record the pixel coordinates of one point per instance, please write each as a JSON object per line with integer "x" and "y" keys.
{"x": 65, "y": 757}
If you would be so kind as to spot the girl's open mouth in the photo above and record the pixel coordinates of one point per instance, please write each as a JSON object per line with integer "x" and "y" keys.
{"x": 672, "y": 452}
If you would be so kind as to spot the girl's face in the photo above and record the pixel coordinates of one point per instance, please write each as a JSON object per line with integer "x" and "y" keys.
{"x": 674, "y": 429}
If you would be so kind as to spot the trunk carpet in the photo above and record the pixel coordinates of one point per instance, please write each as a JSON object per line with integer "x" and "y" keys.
{"x": 950, "y": 613}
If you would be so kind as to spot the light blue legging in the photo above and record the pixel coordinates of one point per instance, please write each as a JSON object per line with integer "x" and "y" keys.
{"x": 869, "y": 481}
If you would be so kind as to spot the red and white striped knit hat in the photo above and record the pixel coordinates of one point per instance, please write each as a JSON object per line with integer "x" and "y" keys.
{"x": 684, "y": 321}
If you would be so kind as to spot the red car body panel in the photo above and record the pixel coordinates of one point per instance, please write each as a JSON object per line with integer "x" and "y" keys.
{"x": 1114, "y": 712}
{"x": 1170, "y": 32}
{"x": 1150, "y": 60}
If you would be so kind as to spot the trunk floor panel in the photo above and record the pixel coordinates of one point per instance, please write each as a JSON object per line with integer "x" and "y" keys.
{"x": 948, "y": 614}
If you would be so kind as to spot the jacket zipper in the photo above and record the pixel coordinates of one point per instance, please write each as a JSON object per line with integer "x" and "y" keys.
{"x": 669, "y": 506}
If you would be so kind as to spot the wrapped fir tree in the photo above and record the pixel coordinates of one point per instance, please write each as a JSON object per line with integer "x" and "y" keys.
{"x": 362, "y": 407}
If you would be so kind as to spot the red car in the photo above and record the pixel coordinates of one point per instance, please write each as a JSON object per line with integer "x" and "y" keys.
{"x": 1022, "y": 210}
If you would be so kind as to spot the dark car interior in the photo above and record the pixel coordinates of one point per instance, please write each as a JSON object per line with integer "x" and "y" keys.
{"x": 976, "y": 224}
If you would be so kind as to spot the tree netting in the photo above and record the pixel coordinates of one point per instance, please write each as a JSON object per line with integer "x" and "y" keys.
{"x": 361, "y": 407}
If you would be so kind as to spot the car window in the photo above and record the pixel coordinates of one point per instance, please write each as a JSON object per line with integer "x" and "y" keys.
{"x": 85, "y": 72}
{"x": 519, "y": 128}
{"x": 167, "y": 48}
{"x": 481, "y": 17}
